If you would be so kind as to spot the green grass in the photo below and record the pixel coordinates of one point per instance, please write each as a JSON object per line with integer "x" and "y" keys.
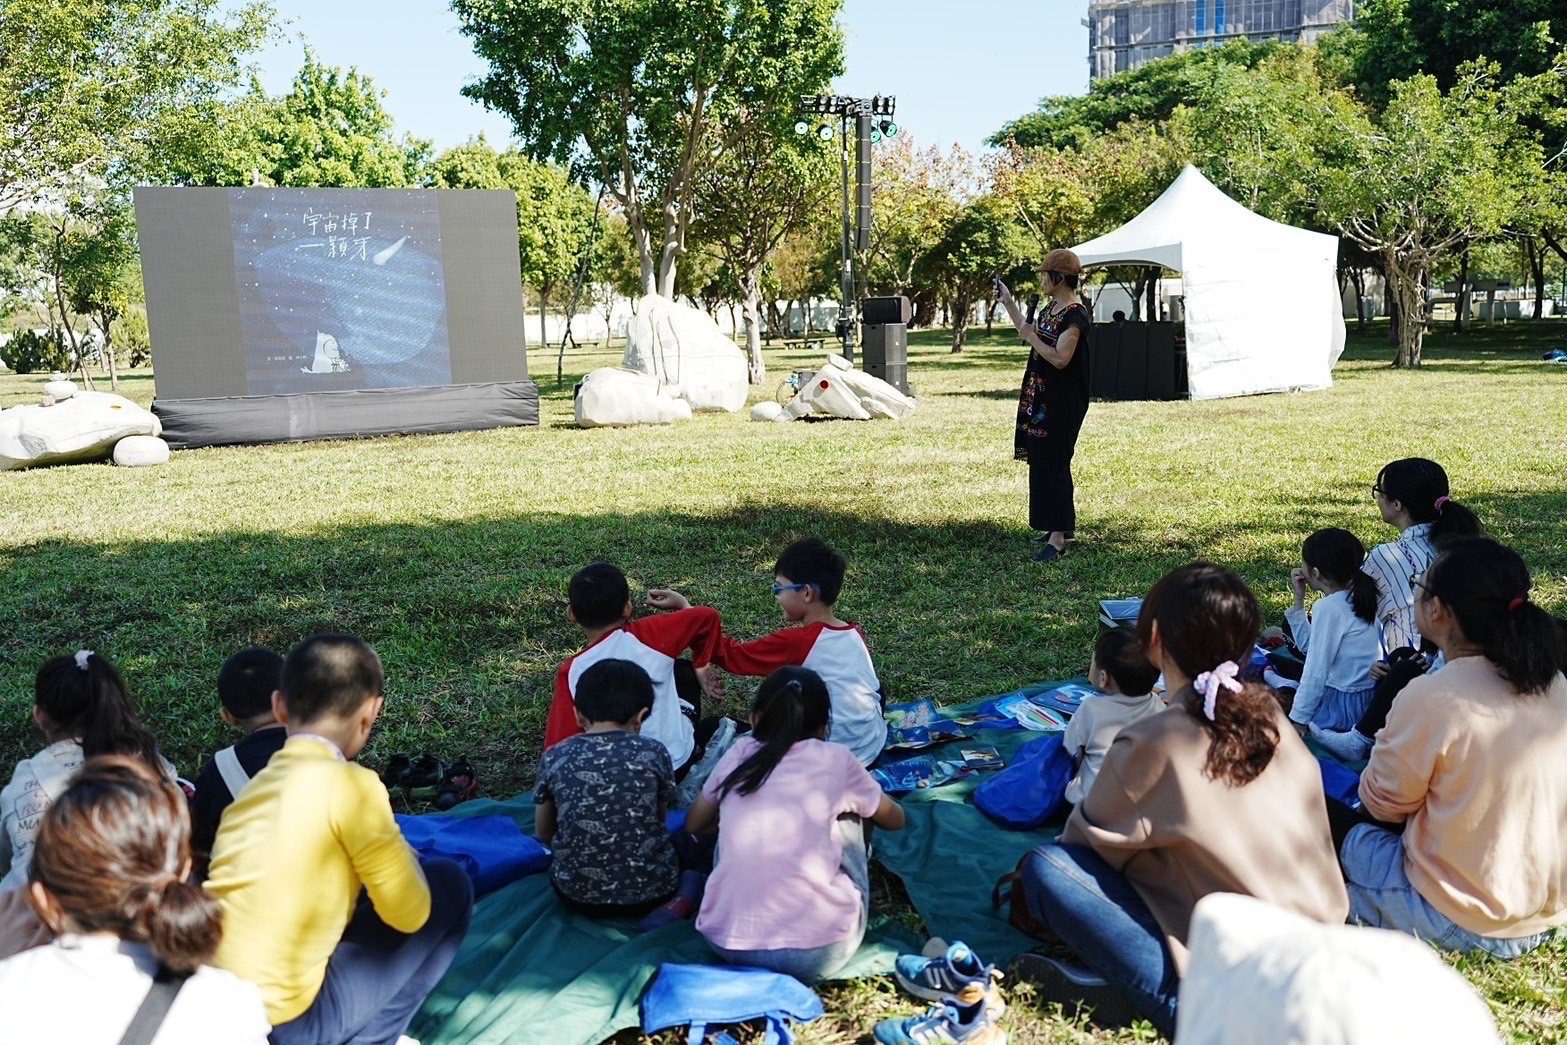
{"x": 451, "y": 553}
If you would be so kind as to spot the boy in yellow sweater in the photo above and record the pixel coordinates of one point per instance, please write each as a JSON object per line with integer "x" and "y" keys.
{"x": 325, "y": 906}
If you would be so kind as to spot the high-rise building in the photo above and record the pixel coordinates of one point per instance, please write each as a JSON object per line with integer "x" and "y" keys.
{"x": 1123, "y": 34}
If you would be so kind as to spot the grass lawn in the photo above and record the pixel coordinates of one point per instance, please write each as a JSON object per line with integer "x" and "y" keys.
{"x": 451, "y": 553}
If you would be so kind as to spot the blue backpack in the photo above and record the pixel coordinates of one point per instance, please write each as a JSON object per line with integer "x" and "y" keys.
{"x": 1029, "y": 791}
{"x": 696, "y": 995}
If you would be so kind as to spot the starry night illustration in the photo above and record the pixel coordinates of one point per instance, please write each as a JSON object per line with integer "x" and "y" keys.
{"x": 340, "y": 290}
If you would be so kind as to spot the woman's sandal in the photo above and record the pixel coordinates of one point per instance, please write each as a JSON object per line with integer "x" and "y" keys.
{"x": 1049, "y": 553}
{"x": 458, "y": 784}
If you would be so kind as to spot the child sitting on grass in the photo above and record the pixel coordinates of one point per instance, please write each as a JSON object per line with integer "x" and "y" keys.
{"x": 791, "y": 889}
{"x": 246, "y": 683}
{"x": 806, "y": 583}
{"x": 1124, "y": 680}
{"x": 1339, "y": 638}
{"x": 108, "y": 877}
{"x": 83, "y": 709}
{"x": 600, "y": 604}
{"x": 601, "y": 797}
{"x": 325, "y": 906}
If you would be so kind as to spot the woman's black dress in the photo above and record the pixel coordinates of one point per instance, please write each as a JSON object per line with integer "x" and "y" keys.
{"x": 1050, "y": 413}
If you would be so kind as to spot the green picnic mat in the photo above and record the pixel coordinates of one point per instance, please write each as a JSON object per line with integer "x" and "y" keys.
{"x": 530, "y": 970}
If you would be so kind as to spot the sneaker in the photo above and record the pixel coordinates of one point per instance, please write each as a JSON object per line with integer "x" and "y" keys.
{"x": 1074, "y": 988}
{"x": 458, "y": 784}
{"x": 1348, "y": 746}
{"x": 955, "y": 976}
{"x": 944, "y": 1025}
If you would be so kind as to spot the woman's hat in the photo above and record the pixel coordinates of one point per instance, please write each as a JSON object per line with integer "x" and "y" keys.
{"x": 1063, "y": 261}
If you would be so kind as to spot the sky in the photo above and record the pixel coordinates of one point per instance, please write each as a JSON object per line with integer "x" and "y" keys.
{"x": 959, "y": 68}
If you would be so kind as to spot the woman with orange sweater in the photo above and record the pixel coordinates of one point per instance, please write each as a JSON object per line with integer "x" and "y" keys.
{"x": 1473, "y": 763}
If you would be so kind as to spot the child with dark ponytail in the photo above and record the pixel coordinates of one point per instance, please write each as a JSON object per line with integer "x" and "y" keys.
{"x": 109, "y": 879}
{"x": 1214, "y": 794}
{"x": 1339, "y": 636}
{"x": 83, "y": 709}
{"x": 791, "y": 889}
{"x": 1471, "y": 764}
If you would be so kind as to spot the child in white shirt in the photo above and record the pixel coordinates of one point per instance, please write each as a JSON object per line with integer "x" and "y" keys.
{"x": 1339, "y": 637}
{"x": 1124, "y": 680}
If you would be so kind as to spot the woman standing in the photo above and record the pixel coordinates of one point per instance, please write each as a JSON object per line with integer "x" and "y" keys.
{"x": 1054, "y": 398}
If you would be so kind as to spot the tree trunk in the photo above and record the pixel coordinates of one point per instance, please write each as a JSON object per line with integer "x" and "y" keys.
{"x": 1461, "y": 302}
{"x": 751, "y": 284}
{"x": 105, "y": 328}
{"x": 1407, "y": 287}
{"x": 544, "y": 336}
{"x": 1537, "y": 273}
{"x": 70, "y": 333}
{"x": 990, "y": 314}
{"x": 1153, "y": 294}
{"x": 960, "y": 314}
{"x": 1357, "y": 279}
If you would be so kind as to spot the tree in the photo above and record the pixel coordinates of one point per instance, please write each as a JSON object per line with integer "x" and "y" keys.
{"x": 100, "y": 270}
{"x": 919, "y": 194}
{"x": 766, "y": 184}
{"x": 642, "y": 89}
{"x": 106, "y": 90}
{"x": 1433, "y": 172}
{"x": 1150, "y": 93}
{"x": 982, "y": 242}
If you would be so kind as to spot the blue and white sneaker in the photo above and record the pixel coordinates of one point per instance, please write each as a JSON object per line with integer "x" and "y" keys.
{"x": 944, "y": 1025}
{"x": 955, "y": 976}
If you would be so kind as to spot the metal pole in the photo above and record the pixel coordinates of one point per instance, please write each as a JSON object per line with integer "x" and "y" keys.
{"x": 846, "y": 290}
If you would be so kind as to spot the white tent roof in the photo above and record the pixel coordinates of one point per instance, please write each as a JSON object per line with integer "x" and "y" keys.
{"x": 1263, "y": 310}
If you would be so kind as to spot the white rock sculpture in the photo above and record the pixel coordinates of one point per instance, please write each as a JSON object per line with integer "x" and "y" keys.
{"x": 767, "y": 410}
{"x": 839, "y": 390}
{"x": 692, "y": 359}
{"x": 614, "y": 396}
{"x": 141, "y": 451}
{"x": 84, "y": 427}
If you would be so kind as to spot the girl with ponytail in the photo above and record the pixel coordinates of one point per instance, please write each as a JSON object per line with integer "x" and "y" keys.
{"x": 108, "y": 878}
{"x": 1339, "y": 636}
{"x": 791, "y": 889}
{"x": 83, "y": 709}
{"x": 1471, "y": 765}
{"x": 1214, "y": 794}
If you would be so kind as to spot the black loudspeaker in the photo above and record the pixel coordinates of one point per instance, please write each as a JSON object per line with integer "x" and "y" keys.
{"x": 862, "y": 227}
{"x": 887, "y": 310}
{"x": 885, "y": 354}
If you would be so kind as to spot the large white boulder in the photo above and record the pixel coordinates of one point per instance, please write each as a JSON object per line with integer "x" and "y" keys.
{"x": 84, "y": 427}
{"x": 690, "y": 356}
{"x": 613, "y": 396}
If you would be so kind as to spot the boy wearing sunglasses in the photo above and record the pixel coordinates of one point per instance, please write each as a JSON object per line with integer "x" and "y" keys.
{"x": 806, "y": 583}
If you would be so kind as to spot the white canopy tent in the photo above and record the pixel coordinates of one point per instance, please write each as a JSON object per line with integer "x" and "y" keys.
{"x": 1263, "y": 310}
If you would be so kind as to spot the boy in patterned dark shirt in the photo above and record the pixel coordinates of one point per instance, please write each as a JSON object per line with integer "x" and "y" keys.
{"x": 601, "y": 798}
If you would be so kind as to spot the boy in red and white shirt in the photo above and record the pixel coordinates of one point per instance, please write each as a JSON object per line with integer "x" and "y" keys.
{"x": 806, "y": 582}
{"x": 600, "y": 604}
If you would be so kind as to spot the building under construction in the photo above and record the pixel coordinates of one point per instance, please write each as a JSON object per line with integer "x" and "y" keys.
{"x": 1123, "y": 34}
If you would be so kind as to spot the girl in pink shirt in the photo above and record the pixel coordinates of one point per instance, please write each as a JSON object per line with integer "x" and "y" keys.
{"x": 790, "y": 891}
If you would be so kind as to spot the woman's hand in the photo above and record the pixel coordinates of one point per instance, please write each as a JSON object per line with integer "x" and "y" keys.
{"x": 666, "y": 599}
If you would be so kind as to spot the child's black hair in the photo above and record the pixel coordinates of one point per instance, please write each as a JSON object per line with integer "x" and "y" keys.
{"x": 598, "y": 594}
{"x": 1120, "y": 655}
{"x": 811, "y": 561}
{"x": 791, "y": 705}
{"x": 330, "y": 675}
{"x": 83, "y": 696}
{"x": 614, "y": 691}
{"x": 247, "y": 680}
{"x": 1421, "y": 487}
{"x": 1338, "y": 555}
{"x": 1486, "y": 587}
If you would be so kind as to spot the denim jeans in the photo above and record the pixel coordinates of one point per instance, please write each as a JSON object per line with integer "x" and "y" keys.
{"x": 808, "y": 964}
{"x": 378, "y": 977}
{"x": 1381, "y": 896}
{"x": 1096, "y": 912}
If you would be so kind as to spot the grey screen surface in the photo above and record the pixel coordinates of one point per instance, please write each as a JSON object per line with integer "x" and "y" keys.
{"x": 265, "y": 292}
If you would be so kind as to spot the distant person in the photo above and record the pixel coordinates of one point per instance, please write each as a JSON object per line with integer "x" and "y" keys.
{"x": 109, "y": 879}
{"x": 326, "y": 908}
{"x": 1470, "y": 764}
{"x": 1124, "y": 681}
{"x": 1118, "y": 316}
{"x": 246, "y": 683}
{"x": 83, "y": 709}
{"x": 1053, "y": 400}
{"x": 807, "y": 581}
